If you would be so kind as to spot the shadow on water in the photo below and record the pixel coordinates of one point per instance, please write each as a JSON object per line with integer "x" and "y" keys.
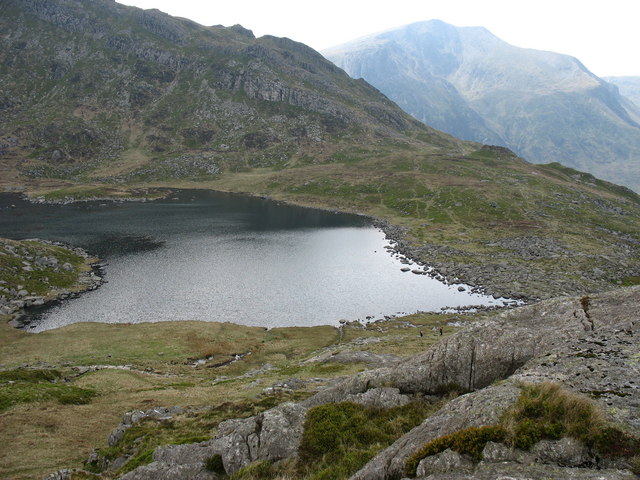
{"x": 116, "y": 245}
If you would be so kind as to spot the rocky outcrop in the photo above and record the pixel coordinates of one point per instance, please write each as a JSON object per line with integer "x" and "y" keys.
{"x": 129, "y": 419}
{"x": 495, "y": 471}
{"x": 588, "y": 344}
{"x": 33, "y": 262}
{"x": 598, "y": 359}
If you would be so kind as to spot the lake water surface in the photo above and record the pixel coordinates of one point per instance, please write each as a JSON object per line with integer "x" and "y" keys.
{"x": 212, "y": 256}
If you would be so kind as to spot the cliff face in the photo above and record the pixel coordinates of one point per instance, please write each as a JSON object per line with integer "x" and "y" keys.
{"x": 84, "y": 84}
{"x": 544, "y": 106}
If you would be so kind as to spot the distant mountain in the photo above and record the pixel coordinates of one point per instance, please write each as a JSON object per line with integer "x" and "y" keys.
{"x": 465, "y": 81}
{"x": 91, "y": 90}
{"x": 628, "y": 86}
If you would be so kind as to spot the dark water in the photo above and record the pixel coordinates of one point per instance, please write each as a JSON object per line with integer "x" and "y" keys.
{"x": 220, "y": 257}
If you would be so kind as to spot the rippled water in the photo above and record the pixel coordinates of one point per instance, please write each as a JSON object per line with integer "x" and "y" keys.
{"x": 220, "y": 257}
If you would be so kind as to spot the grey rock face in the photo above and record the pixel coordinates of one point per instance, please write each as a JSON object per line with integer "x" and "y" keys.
{"x": 516, "y": 471}
{"x": 380, "y": 397}
{"x": 444, "y": 462}
{"x": 486, "y": 351}
{"x": 565, "y": 452}
{"x": 272, "y": 435}
{"x": 497, "y": 452}
{"x": 163, "y": 471}
{"x": 194, "y": 453}
{"x": 628, "y": 86}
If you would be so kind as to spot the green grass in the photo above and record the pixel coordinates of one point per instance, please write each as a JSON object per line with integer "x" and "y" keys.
{"x": 26, "y": 386}
{"x": 42, "y": 278}
{"x": 340, "y": 438}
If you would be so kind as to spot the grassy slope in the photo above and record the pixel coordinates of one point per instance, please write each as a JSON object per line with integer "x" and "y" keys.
{"x": 160, "y": 373}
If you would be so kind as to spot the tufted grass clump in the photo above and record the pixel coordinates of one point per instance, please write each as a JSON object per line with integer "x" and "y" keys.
{"x": 340, "y": 438}
{"x": 469, "y": 441}
{"x": 262, "y": 470}
{"x": 547, "y": 411}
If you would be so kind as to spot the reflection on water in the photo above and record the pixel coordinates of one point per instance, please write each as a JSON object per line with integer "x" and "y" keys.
{"x": 220, "y": 257}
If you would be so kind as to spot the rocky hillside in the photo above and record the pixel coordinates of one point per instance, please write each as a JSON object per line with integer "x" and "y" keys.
{"x": 544, "y": 106}
{"x": 629, "y": 87}
{"x": 98, "y": 90}
{"x": 547, "y": 391}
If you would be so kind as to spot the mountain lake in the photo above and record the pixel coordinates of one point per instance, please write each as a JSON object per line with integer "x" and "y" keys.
{"x": 211, "y": 256}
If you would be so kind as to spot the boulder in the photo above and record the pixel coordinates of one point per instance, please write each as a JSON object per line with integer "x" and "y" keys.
{"x": 380, "y": 397}
{"x": 272, "y": 435}
{"x": 566, "y": 452}
{"x": 164, "y": 471}
{"x": 446, "y": 461}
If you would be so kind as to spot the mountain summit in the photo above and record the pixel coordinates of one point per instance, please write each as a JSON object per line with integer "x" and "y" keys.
{"x": 465, "y": 81}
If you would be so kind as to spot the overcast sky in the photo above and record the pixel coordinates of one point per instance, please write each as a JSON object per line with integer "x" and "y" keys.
{"x": 604, "y": 35}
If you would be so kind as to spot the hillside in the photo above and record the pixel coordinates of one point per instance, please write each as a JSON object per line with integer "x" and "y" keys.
{"x": 100, "y": 91}
{"x": 544, "y": 106}
{"x": 628, "y": 86}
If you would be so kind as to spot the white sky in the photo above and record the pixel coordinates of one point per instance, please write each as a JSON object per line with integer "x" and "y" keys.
{"x": 604, "y": 35}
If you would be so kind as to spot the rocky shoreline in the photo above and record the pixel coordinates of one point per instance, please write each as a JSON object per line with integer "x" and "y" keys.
{"x": 446, "y": 272}
{"x": 515, "y": 273}
{"x": 17, "y": 301}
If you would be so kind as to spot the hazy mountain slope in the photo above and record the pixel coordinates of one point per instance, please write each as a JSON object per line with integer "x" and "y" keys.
{"x": 104, "y": 88}
{"x": 544, "y": 106}
{"x": 628, "y": 86}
